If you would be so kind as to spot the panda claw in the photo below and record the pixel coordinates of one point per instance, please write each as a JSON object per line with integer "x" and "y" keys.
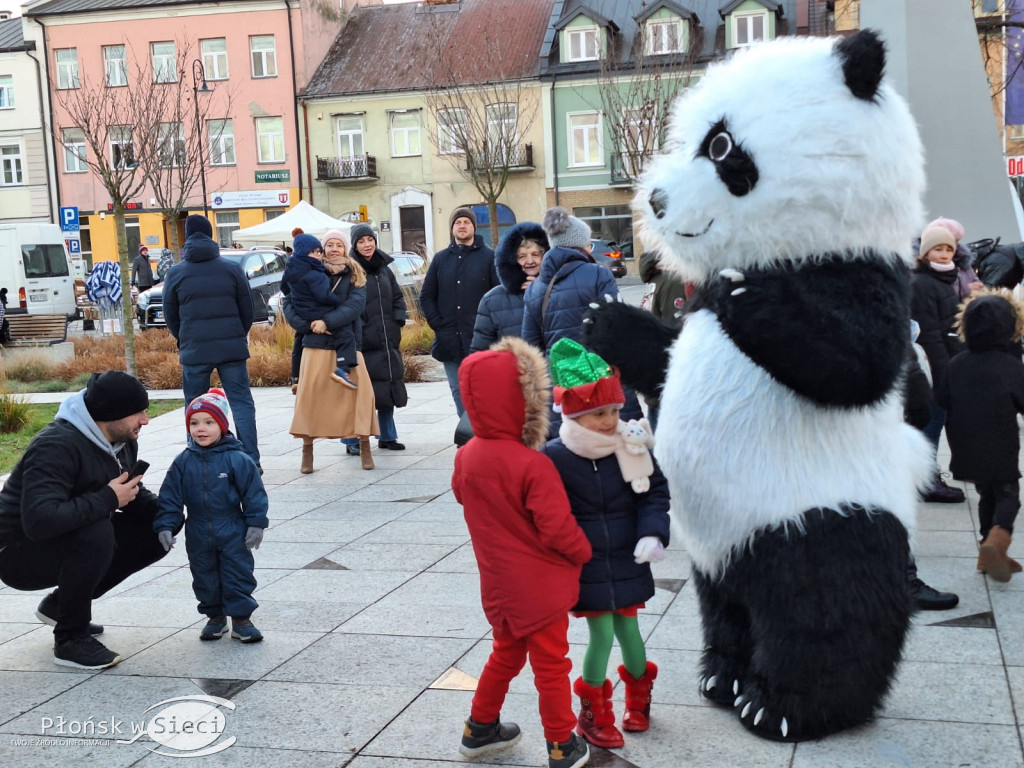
{"x": 609, "y": 298}
{"x": 785, "y": 728}
{"x": 746, "y": 709}
{"x": 759, "y": 716}
{"x": 711, "y": 683}
{"x": 594, "y": 305}
{"x": 733, "y": 274}
{"x": 735, "y": 687}
{"x": 739, "y": 700}
{"x": 738, "y": 291}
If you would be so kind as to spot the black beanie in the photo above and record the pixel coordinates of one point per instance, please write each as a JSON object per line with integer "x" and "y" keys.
{"x": 114, "y": 395}
{"x": 359, "y": 231}
{"x": 463, "y": 212}
{"x": 198, "y": 223}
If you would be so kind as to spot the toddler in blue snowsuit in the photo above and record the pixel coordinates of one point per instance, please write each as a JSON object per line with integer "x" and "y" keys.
{"x": 220, "y": 485}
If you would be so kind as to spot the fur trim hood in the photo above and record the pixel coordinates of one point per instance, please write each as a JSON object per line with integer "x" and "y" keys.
{"x": 510, "y": 273}
{"x": 990, "y": 319}
{"x": 505, "y": 392}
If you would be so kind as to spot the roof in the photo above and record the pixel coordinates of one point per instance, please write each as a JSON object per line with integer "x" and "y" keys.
{"x": 732, "y": 5}
{"x": 56, "y": 7}
{"x": 389, "y": 48}
{"x": 589, "y": 12}
{"x": 12, "y": 38}
{"x": 653, "y": 8}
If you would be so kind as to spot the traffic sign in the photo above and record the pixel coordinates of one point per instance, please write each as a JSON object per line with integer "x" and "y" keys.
{"x": 69, "y": 218}
{"x": 74, "y": 246}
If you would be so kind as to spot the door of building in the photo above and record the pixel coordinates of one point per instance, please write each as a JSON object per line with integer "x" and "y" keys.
{"x": 414, "y": 230}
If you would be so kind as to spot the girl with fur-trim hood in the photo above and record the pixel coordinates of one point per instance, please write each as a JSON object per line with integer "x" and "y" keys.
{"x": 528, "y": 546}
{"x": 983, "y": 391}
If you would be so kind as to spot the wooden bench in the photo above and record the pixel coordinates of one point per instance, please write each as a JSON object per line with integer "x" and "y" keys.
{"x": 37, "y": 330}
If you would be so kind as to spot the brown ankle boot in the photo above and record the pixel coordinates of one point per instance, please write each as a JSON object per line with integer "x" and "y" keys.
{"x": 992, "y": 557}
{"x": 364, "y": 453}
{"x": 596, "y": 721}
{"x": 307, "y": 456}
{"x": 638, "y": 698}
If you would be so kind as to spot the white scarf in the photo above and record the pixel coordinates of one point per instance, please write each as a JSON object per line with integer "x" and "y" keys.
{"x": 635, "y": 468}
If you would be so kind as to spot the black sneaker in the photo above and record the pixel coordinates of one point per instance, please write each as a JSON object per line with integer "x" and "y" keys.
{"x": 352, "y": 450}
{"x": 479, "y": 740}
{"x": 940, "y": 493}
{"x": 84, "y": 653}
{"x": 391, "y": 445}
{"x": 930, "y": 599}
{"x": 47, "y": 611}
{"x": 568, "y": 754}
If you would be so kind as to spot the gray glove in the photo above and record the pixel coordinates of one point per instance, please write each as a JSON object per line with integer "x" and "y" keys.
{"x": 253, "y": 537}
{"x": 166, "y": 539}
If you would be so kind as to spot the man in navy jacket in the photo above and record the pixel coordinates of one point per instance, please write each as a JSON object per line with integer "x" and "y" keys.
{"x": 456, "y": 280}
{"x": 208, "y": 309}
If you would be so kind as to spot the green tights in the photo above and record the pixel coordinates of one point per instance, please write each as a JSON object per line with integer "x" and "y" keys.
{"x": 604, "y": 629}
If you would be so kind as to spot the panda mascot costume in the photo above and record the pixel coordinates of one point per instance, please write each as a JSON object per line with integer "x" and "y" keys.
{"x": 790, "y": 191}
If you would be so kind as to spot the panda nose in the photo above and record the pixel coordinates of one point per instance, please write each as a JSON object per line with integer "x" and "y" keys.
{"x": 658, "y": 201}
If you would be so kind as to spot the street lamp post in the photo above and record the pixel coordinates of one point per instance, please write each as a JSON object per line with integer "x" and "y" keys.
{"x": 199, "y": 86}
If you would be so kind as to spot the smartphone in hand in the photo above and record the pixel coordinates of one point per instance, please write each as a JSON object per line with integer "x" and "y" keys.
{"x": 138, "y": 469}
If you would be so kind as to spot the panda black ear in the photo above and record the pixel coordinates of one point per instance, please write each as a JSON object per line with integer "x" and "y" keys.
{"x": 863, "y": 59}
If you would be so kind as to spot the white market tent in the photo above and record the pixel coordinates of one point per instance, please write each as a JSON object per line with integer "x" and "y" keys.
{"x": 279, "y": 230}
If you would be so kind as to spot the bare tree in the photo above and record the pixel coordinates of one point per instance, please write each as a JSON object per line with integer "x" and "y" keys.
{"x": 479, "y": 114}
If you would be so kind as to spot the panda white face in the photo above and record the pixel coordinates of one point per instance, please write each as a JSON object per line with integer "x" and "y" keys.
{"x": 787, "y": 151}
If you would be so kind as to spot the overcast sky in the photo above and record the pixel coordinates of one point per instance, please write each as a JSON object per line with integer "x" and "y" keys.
{"x": 14, "y": 6}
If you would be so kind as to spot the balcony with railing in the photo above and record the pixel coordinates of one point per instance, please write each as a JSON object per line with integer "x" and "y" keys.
{"x": 346, "y": 169}
{"x": 626, "y": 167}
{"x": 519, "y": 159}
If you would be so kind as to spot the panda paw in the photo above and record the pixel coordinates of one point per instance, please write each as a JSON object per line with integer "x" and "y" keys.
{"x": 763, "y": 717}
{"x": 720, "y": 689}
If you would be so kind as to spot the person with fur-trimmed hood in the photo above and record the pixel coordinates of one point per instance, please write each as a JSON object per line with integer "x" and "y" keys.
{"x": 517, "y": 261}
{"x": 528, "y": 547}
{"x": 983, "y": 391}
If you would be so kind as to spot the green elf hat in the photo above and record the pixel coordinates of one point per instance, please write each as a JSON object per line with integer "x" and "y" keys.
{"x": 583, "y": 381}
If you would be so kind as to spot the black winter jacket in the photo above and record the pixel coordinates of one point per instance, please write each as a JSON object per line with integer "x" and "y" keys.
{"x": 349, "y": 313}
{"x": 983, "y": 392}
{"x": 500, "y": 312}
{"x": 208, "y": 305}
{"x": 383, "y": 319}
{"x": 934, "y": 304}
{"x": 456, "y": 280}
{"x": 614, "y": 518}
{"x": 307, "y": 284}
{"x": 142, "y": 272}
{"x": 60, "y": 485}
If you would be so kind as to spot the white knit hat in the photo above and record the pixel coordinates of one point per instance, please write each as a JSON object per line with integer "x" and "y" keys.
{"x": 565, "y": 230}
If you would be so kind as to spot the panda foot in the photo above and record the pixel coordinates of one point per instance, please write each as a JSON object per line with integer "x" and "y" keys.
{"x": 772, "y": 719}
{"x": 721, "y": 688}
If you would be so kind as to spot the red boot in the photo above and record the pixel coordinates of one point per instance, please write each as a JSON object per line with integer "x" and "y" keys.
{"x": 638, "y": 698}
{"x": 597, "y": 718}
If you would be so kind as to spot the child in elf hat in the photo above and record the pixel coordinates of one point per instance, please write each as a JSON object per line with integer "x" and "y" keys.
{"x": 628, "y": 529}
{"x": 227, "y": 511}
{"x": 528, "y": 547}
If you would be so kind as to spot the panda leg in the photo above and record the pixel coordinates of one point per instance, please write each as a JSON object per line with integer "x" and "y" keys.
{"x": 726, "y": 655}
{"x": 829, "y": 615}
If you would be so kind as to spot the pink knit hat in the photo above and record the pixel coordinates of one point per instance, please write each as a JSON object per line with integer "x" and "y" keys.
{"x": 953, "y": 226}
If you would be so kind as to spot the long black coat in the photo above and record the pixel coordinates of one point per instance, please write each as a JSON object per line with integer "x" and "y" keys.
{"x": 934, "y": 304}
{"x": 982, "y": 393}
{"x": 383, "y": 319}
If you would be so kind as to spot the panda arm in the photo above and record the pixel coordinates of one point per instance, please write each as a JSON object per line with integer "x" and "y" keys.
{"x": 633, "y": 340}
{"x": 833, "y": 330}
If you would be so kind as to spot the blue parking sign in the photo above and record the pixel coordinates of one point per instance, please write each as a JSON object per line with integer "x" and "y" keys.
{"x": 69, "y": 218}
{"x": 74, "y": 246}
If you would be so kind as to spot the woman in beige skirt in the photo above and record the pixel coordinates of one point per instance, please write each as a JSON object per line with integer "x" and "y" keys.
{"x": 323, "y": 407}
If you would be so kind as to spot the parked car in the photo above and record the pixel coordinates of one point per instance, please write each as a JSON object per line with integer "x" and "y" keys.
{"x": 263, "y": 267}
{"x": 609, "y": 254}
{"x": 409, "y": 267}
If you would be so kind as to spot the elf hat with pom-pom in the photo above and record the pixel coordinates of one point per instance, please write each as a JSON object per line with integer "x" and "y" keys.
{"x": 583, "y": 381}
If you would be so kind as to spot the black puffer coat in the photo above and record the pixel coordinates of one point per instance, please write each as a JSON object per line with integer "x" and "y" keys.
{"x": 983, "y": 392}
{"x": 501, "y": 309}
{"x": 934, "y": 304}
{"x": 383, "y": 319}
{"x": 350, "y": 312}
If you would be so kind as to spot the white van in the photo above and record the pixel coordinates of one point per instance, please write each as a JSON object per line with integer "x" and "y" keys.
{"x": 36, "y": 270}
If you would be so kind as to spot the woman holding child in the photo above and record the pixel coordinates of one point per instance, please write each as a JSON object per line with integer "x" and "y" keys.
{"x": 323, "y": 407}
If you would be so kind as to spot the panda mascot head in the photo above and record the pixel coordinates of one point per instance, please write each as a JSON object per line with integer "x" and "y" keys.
{"x": 783, "y": 152}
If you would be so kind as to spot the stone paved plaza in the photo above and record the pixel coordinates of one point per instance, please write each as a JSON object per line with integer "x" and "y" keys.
{"x": 369, "y": 601}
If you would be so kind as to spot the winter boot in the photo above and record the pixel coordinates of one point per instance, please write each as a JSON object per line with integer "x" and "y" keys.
{"x": 992, "y": 557}
{"x": 479, "y": 739}
{"x": 638, "y": 698}
{"x": 924, "y": 597}
{"x": 573, "y": 753}
{"x": 307, "y": 456}
{"x": 364, "y": 453}
{"x": 596, "y": 721}
{"x": 940, "y": 493}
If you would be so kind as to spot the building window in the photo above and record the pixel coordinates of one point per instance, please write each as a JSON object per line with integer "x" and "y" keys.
{"x": 222, "y": 142}
{"x": 350, "y": 136}
{"x": 6, "y": 91}
{"x": 67, "y": 68}
{"x": 585, "y": 139}
{"x": 115, "y": 66}
{"x": 172, "y": 145}
{"x": 264, "y": 56}
{"x": 451, "y": 131}
{"x": 10, "y": 156}
{"x": 405, "y": 133}
{"x": 664, "y": 37}
{"x": 641, "y": 126}
{"x": 749, "y": 28}
{"x": 122, "y": 149}
{"x": 73, "y": 140}
{"x": 502, "y": 121}
{"x": 165, "y": 63}
{"x": 227, "y": 223}
{"x": 581, "y": 44}
{"x": 215, "y": 58}
{"x": 270, "y": 137}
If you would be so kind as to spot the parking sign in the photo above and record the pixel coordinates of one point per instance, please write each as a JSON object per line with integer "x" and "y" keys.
{"x": 69, "y": 218}
{"x": 74, "y": 246}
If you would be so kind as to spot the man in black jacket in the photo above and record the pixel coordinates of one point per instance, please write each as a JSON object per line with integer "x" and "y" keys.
{"x": 456, "y": 280}
{"x": 71, "y": 517}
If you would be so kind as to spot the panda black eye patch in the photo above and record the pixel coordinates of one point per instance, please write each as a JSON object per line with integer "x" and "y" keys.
{"x": 735, "y": 167}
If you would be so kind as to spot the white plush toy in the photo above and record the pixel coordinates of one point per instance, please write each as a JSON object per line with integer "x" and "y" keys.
{"x": 790, "y": 192}
{"x": 636, "y": 434}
